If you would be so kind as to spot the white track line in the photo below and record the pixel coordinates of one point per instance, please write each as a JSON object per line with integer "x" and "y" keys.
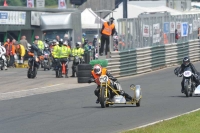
{"x": 30, "y": 92}
{"x": 153, "y": 123}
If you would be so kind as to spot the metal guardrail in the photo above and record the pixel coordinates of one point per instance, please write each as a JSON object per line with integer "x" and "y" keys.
{"x": 141, "y": 60}
{"x": 154, "y": 29}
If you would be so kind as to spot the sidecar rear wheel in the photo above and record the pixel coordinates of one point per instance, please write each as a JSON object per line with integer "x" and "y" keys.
{"x": 102, "y": 98}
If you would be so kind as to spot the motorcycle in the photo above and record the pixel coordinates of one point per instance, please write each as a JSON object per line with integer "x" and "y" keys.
{"x": 46, "y": 61}
{"x": 62, "y": 68}
{"x": 189, "y": 84}
{"x": 109, "y": 95}
{"x": 1, "y": 63}
{"x": 33, "y": 66}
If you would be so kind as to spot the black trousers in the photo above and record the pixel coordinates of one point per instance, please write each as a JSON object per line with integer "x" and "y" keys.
{"x": 12, "y": 60}
{"x": 104, "y": 40}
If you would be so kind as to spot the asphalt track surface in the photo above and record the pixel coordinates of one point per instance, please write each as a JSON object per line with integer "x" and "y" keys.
{"x": 75, "y": 110}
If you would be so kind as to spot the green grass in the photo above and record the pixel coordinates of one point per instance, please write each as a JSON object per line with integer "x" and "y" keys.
{"x": 189, "y": 123}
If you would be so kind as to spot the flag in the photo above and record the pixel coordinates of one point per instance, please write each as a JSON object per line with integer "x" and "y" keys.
{"x": 30, "y": 3}
{"x": 61, "y": 4}
{"x": 5, "y": 4}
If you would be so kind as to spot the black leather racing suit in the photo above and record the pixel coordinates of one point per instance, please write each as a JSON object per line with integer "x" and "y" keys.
{"x": 37, "y": 52}
{"x": 117, "y": 87}
{"x": 181, "y": 70}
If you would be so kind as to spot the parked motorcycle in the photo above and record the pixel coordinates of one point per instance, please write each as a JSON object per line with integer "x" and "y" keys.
{"x": 77, "y": 60}
{"x": 189, "y": 84}
{"x": 1, "y": 63}
{"x": 33, "y": 63}
{"x": 62, "y": 68}
{"x": 46, "y": 61}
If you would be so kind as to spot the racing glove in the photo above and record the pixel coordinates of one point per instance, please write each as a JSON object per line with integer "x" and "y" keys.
{"x": 91, "y": 80}
{"x": 179, "y": 75}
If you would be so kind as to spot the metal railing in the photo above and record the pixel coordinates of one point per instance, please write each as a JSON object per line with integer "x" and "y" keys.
{"x": 154, "y": 29}
{"x": 142, "y": 60}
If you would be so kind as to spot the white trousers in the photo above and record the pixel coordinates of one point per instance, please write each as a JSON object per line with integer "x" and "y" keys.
{"x": 4, "y": 58}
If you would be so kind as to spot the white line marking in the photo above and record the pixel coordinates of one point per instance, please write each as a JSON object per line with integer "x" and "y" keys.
{"x": 159, "y": 121}
{"x": 30, "y": 92}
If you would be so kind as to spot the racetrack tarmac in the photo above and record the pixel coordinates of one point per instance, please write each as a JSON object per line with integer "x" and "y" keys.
{"x": 75, "y": 110}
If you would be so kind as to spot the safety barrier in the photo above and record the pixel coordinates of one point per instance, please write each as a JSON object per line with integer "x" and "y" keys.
{"x": 141, "y": 60}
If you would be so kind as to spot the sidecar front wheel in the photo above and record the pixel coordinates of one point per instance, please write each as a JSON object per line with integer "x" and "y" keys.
{"x": 102, "y": 98}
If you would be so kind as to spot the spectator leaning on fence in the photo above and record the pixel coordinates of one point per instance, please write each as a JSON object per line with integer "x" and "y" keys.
{"x": 176, "y": 35}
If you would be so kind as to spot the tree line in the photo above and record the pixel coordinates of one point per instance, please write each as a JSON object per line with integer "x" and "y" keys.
{"x": 23, "y": 2}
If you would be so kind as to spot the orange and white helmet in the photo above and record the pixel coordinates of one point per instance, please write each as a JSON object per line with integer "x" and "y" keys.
{"x": 97, "y": 69}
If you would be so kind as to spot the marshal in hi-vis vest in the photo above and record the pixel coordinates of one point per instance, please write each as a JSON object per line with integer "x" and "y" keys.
{"x": 108, "y": 28}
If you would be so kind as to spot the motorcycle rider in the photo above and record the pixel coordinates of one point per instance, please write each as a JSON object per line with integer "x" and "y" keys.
{"x": 40, "y": 43}
{"x": 61, "y": 54}
{"x": 187, "y": 63}
{"x": 78, "y": 51}
{"x": 35, "y": 51}
{"x": 97, "y": 71}
{"x": 2, "y": 55}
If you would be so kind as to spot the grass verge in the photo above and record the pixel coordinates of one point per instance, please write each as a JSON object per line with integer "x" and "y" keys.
{"x": 188, "y": 123}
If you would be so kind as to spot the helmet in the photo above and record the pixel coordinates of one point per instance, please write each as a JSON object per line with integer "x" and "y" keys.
{"x": 97, "y": 69}
{"x": 85, "y": 40}
{"x": 95, "y": 36}
{"x": 115, "y": 37}
{"x": 61, "y": 41}
{"x": 65, "y": 43}
{"x": 186, "y": 61}
{"x": 54, "y": 41}
{"x": 37, "y": 37}
{"x": 78, "y": 44}
{"x": 46, "y": 40}
{"x": 83, "y": 34}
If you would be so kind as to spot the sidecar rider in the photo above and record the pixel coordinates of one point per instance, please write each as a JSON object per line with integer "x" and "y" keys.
{"x": 96, "y": 73}
{"x": 187, "y": 63}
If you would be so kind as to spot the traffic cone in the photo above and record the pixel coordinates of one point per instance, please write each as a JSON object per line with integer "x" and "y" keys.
{"x": 5, "y": 4}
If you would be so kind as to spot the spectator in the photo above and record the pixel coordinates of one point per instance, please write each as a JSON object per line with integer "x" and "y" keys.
{"x": 198, "y": 32}
{"x": 7, "y": 46}
{"x": 57, "y": 38}
{"x": 177, "y": 36}
{"x": 10, "y": 51}
{"x": 83, "y": 37}
{"x": 20, "y": 51}
{"x": 24, "y": 42}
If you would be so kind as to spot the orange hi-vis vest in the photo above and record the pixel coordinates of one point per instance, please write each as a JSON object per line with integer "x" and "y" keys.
{"x": 108, "y": 28}
{"x": 96, "y": 76}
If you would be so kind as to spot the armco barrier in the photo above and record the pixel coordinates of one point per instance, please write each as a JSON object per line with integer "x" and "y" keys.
{"x": 147, "y": 59}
